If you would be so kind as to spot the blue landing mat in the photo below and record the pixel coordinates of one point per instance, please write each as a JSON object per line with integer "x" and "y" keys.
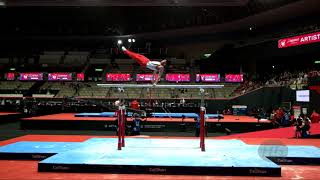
{"x": 35, "y": 150}
{"x": 164, "y": 156}
{"x": 167, "y": 156}
{"x": 163, "y": 115}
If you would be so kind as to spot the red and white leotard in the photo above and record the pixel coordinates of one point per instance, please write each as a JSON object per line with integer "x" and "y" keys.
{"x": 142, "y": 60}
{"x": 153, "y": 65}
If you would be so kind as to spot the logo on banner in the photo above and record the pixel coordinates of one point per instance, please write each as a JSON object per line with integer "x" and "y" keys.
{"x": 282, "y": 43}
{"x": 299, "y": 40}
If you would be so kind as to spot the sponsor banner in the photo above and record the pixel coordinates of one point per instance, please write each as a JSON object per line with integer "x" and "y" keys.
{"x": 60, "y": 76}
{"x": 234, "y": 78}
{"x": 80, "y": 76}
{"x": 145, "y": 77}
{"x": 118, "y": 77}
{"x": 207, "y": 77}
{"x": 34, "y": 76}
{"x": 299, "y": 40}
{"x": 178, "y": 77}
{"x": 10, "y": 76}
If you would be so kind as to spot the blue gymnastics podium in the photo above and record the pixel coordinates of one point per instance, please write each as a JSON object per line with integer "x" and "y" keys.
{"x": 163, "y": 156}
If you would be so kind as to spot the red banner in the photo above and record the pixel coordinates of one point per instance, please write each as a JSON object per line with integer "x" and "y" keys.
{"x": 145, "y": 77}
{"x": 80, "y": 76}
{"x": 299, "y": 40}
{"x": 10, "y": 76}
{"x": 234, "y": 78}
{"x": 178, "y": 77}
{"x": 118, "y": 77}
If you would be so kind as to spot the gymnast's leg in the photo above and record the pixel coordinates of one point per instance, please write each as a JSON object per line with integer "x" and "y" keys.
{"x": 141, "y": 59}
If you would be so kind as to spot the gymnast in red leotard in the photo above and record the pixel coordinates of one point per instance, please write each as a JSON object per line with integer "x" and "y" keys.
{"x": 156, "y": 66}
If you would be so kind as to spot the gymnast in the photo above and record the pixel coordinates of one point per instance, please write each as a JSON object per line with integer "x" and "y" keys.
{"x": 156, "y": 66}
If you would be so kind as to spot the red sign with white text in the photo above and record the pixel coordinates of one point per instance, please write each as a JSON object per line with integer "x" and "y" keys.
{"x": 234, "y": 78}
{"x": 145, "y": 77}
{"x": 80, "y": 76}
{"x": 10, "y": 76}
{"x": 118, "y": 77}
{"x": 178, "y": 77}
{"x": 299, "y": 40}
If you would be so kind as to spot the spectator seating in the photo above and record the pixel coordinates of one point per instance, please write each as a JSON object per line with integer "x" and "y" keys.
{"x": 63, "y": 88}
{"x": 50, "y": 59}
{"x": 4, "y": 60}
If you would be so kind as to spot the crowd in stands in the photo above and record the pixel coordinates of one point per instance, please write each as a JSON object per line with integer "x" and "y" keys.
{"x": 281, "y": 117}
{"x": 247, "y": 86}
{"x": 286, "y": 78}
{"x": 314, "y": 73}
{"x": 293, "y": 79}
{"x": 302, "y": 124}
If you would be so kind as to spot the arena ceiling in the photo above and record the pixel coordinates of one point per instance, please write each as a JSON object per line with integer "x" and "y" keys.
{"x": 51, "y": 24}
{"x": 125, "y": 2}
{"x": 122, "y": 17}
{"x": 143, "y": 2}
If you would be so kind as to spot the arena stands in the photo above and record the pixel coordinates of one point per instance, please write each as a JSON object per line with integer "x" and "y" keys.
{"x": 76, "y": 58}
{"x": 14, "y": 87}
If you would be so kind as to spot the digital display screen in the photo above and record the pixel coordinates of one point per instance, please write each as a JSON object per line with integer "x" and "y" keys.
{"x": 80, "y": 76}
{"x": 60, "y": 76}
{"x": 234, "y": 78}
{"x": 178, "y": 77}
{"x": 10, "y": 76}
{"x": 207, "y": 77}
{"x": 145, "y": 77}
{"x": 239, "y": 110}
{"x": 34, "y": 76}
{"x": 303, "y": 96}
{"x": 118, "y": 77}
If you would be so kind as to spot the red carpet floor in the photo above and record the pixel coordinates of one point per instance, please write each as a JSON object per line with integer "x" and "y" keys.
{"x": 275, "y": 133}
{"x": 7, "y": 113}
{"x": 70, "y": 117}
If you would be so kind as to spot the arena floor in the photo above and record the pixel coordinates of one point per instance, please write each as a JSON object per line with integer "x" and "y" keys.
{"x": 28, "y": 169}
{"x": 22, "y": 169}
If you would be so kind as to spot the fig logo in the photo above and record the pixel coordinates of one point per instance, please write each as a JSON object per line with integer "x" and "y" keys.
{"x": 282, "y": 43}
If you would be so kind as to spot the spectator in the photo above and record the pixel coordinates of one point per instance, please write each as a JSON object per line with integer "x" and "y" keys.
{"x": 115, "y": 126}
{"x": 279, "y": 115}
{"x": 135, "y": 104}
{"x": 297, "y": 124}
{"x": 136, "y": 128}
{"x": 183, "y": 126}
{"x": 286, "y": 119}
{"x": 305, "y": 127}
{"x": 315, "y": 117}
{"x": 197, "y": 120}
